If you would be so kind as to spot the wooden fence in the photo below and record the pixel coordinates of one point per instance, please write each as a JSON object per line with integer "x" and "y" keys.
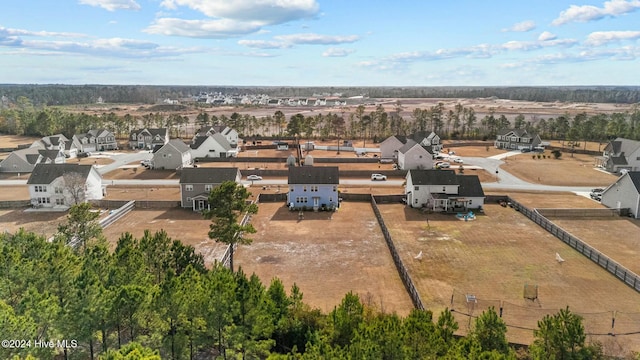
{"x": 627, "y": 276}
{"x": 397, "y": 260}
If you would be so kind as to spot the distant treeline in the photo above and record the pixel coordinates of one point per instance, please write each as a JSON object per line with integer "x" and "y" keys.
{"x": 86, "y": 94}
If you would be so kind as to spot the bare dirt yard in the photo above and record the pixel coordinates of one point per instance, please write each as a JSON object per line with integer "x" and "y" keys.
{"x": 578, "y": 170}
{"x": 12, "y": 193}
{"x": 131, "y": 192}
{"x": 44, "y": 223}
{"x": 494, "y": 256}
{"x": 13, "y": 141}
{"x": 327, "y": 254}
{"x": 558, "y": 200}
{"x": 180, "y": 224}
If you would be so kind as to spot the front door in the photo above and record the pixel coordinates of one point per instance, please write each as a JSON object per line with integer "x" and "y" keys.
{"x": 316, "y": 202}
{"x": 200, "y": 205}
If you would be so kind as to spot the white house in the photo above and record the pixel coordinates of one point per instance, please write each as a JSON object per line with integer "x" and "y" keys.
{"x": 230, "y": 134}
{"x": 215, "y": 145}
{"x": 624, "y": 193}
{"x": 443, "y": 190}
{"x": 414, "y": 156}
{"x": 390, "y": 146}
{"x": 62, "y": 185}
{"x": 430, "y": 141}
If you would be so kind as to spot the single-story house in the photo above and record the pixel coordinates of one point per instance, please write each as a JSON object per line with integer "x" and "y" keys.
{"x": 414, "y": 156}
{"x": 313, "y": 187}
{"x": 443, "y": 190}
{"x": 516, "y": 139}
{"x": 196, "y": 184}
{"x": 624, "y": 193}
{"x": 173, "y": 155}
{"x": 62, "y": 185}
{"x": 25, "y": 160}
{"x": 620, "y": 154}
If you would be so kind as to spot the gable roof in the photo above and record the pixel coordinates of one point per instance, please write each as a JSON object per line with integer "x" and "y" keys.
{"x": 176, "y": 144}
{"x": 314, "y": 175}
{"x": 222, "y": 141}
{"x": 433, "y": 177}
{"x": 469, "y": 186}
{"x": 208, "y": 175}
{"x": 51, "y": 154}
{"x": 635, "y": 179}
{"x": 622, "y": 146}
{"x": 407, "y": 145}
{"x": 46, "y": 173}
{"x": 516, "y": 132}
{"x": 198, "y": 141}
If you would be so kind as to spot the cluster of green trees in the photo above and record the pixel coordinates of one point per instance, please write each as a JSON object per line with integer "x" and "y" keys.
{"x": 135, "y": 94}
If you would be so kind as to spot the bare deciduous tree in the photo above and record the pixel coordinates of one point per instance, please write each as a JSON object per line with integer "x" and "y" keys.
{"x": 74, "y": 186}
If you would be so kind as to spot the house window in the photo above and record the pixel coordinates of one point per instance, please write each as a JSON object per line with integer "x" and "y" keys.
{"x": 43, "y": 200}
{"x": 304, "y": 188}
{"x": 188, "y": 188}
{"x": 291, "y": 190}
{"x": 58, "y": 190}
{"x": 188, "y": 199}
{"x": 41, "y": 188}
{"x": 416, "y": 188}
{"x": 59, "y": 201}
{"x": 444, "y": 189}
{"x": 335, "y": 188}
{"x": 470, "y": 201}
{"x": 314, "y": 188}
{"x": 208, "y": 187}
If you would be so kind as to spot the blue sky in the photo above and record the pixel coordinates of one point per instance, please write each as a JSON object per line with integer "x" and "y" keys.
{"x": 321, "y": 42}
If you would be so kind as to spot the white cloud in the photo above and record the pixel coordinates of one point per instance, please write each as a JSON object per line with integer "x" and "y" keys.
{"x": 317, "y": 39}
{"x": 586, "y": 13}
{"x": 337, "y": 52}
{"x": 604, "y": 37}
{"x": 264, "y": 11}
{"x": 212, "y": 29}
{"x": 230, "y": 18}
{"x": 112, "y": 5}
{"x": 546, "y": 36}
{"x": 263, "y": 44}
{"x": 21, "y": 32}
{"x": 523, "y": 26}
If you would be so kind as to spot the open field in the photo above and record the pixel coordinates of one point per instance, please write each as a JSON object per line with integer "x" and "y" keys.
{"x": 567, "y": 171}
{"x": 11, "y": 193}
{"x": 131, "y": 192}
{"x": 180, "y": 224}
{"x": 493, "y": 258}
{"x": 13, "y": 141}
{"x": 327, "y": 255}
{"x": 558, "y": 200}
{"x": 43, "y": 223}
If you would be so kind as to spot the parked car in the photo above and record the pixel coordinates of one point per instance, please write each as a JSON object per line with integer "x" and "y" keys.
{"x": 443, "y": 165}
{"x": 254, "y": 177}
{"x": 381, "y": 177}
{"x": 458, "y": 160}
{"x": 525, "y": 150}
{"x": 596, "y": 194}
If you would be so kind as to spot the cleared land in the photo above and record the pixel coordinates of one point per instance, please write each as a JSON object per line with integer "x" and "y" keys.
{"x": 40, "y": 222}
{"x": 180, "y": 224}
{"x": 327, "y": 255}
{"x": 493, "y": 257}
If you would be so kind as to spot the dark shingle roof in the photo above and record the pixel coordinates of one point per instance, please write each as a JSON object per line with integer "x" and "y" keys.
{"x": 207, "y": 175}
{"x": 408, "y": 145}
{"x": 46, "y": 173}
{"x": 314, "y": 175}
{"x": 635, "y": 179}
{"x": 433, "y": 177}
{"x": 51, "y": 154}
{"x": 198, "y": 141}
{"x": 469, "y": 186}
{"x": 619, "y": 160}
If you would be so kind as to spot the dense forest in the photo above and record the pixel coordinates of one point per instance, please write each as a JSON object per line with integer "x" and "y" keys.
{"x": 152, "y": 297}
{"x": 145, "y": 94}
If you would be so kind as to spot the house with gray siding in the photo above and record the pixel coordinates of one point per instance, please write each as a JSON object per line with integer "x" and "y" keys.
{"x": 174, "y": 155}
{"x": 313, "y": 188}
{"x": 516, "y": 139}
{"x": 197, "y": 183}
{"x": 148, "y": 138}
{"x": 25, "y": 160}
{"x": 624, "y": 194}
{"x": 390, "y": 146}
{"x": 620, "y": 154}
{"x": 443, "y": 191}
{"x": 414, "y": 156}
{"x": 96, "y": 140}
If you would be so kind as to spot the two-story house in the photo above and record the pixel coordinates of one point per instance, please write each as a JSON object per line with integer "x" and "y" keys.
{"x": 313, "y": 187}
{"x": 430, "y": 141}
{"x": 620, "y": 154}
{"x": 148, "y": 138}
{"x": 96, "y": 140}
{"x": 516, "y": 139}
{"x": 443, "y": 191}
{"x": 62, "y": 185}
{"x": 197, "y": 183}
{"x": 389, "y": 147}
{"x": 174, "y": 155}
{"x": 414, "y": 156}
{"x": 25, "y": 160}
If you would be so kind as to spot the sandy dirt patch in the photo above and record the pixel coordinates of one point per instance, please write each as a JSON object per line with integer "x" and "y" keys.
{"x": 493, "y": 257}
{"x": 42, "y": 223}
{"x": 11, "y": 193}
{"x": 327, "y": 255}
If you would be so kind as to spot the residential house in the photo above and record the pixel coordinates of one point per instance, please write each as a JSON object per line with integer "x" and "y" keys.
{"x": 62, "y": 185}
{"x": 25, "y": 160}
{"x": 147, "y": 138}
{"x": 313, "y": 188}
{"x": 390, "y": 146}
{"x": 196, "y": 184}
{"x": 516, "y": 139}
{"x": 174, "y": 155}
{"x": 230, "y": 134}
{"x": 53, "y": 142}
{"x": 624, "y": 193}
{"x": 430, "y": 141}
{"x": 215, "y": 145}
{"x": 414, "y": 156}
{"x": 96, "y": 140}
{"x": 620, "y": 154}
{"x": 443, "y": 190}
